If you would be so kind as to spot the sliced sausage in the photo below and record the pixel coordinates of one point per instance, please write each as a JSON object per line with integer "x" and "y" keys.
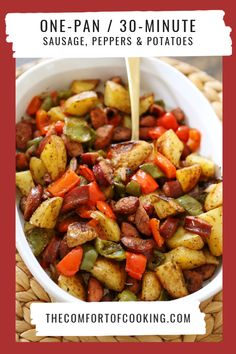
{"x": 173, "y": 189}
{"x": 143, "y": 133}
{"x": 42, "y": 144}
{"x": 103, "y": 173}
{"x": 63, "y": 248}
{"x": 74, "y": 198}
{"x": 169, "y": 227}
{"x": 50, "y": 253}
{"x": 148, "y": 121}
{"x": 186, "y": 151}
{"x": 74, "y": 148}
{"x": 126, "y": 205}
{"x": 33, "y": 201}
{"x": 133, "y": 285}
{"x": 193, "y": 280}
{"x": 22, "y": 203}
{"x": 121, "y": 134}
{"x": 89, "y": 158}
{"x": 206, "y": 270}
{"x": 103, "y": 136}
{"x": 142, "y": 221}
{"x": 129, "y": 230}
{"x": 179, "y": 114}
{"x": 24, "y": 133}
{"x": 136, "y": 244}
{"x": 98, "y": 117}
{"x": 197, "y": 226}
{"x": 22, "y": 161}
{"x": 157, "y": 110}
{"x": 95, "y": 290}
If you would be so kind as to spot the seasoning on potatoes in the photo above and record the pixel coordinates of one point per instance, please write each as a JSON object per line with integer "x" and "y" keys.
{"x": 81, "y": 104}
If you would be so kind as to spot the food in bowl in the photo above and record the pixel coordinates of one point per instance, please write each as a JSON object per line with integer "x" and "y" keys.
{"x": 111, "y": 219}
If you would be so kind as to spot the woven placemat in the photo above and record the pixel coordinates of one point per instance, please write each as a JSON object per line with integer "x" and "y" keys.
{"x": 28, "y": 289}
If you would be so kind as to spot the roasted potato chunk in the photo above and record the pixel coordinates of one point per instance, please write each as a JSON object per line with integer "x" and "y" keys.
{"x": 24, "y": 182}
{"x": 81, "y": 104}
{"x": 171, "y": 278}
{"x": 78, "y": 86}
{"x": 54, "y": 157}
{"x": 79, "y": 233}
{"x": 207, "y": 166}
{"x": 145, "y": 103}
{"x": 170, "y": 146}
{"x": 37, "y": 170}
{"x": 168, "y": 207}
{"x": 215, "y": 241}
{"x": 151, "y": 287}
{"x": 214, "y": 198}
{"x": 111, "y": 274}
{"x": 110, "y": 228}
{"x": 117, "y": 96}
{"x": 210, "y": 259}
{"x": 130, "y": 154}
{"x": 46, "y": 214}
{"x": 186, "y": 258}
{"x": 73, "y": 285}
{"x": 186, "y": 239}
{"x": 56, "y": 113}
{"x": 188, "y": 177}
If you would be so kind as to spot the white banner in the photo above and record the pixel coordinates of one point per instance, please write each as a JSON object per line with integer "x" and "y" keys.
{"x": 120, "y": 318}
{"x": 118, "y": 34}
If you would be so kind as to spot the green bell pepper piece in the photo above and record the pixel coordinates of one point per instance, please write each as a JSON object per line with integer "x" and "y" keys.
{"x": 64, "y": 94}
{"x": 78, "y": 130}
{"x": 89, "y": 257}
{"x": 47, "y": 103}
{"x": 119, "y": 189}
{"x": 109, "y": 249}
{"x": 190, "y": 204}
{"x": 126, "y": 295}
{"x": 152, "y": 170}
{"x": 156, "y": 259}
{"x": 133, "y": 188}
{"x": 34, "y": 141}
{"x": 38, "y": 238}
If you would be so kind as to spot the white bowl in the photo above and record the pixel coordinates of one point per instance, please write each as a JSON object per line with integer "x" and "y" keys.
{"x": 157, "y": 77}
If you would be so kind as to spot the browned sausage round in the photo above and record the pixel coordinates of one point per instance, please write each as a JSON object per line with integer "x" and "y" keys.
{"x": 132, "y": 284}
{"x": 90, "y": 158}
{"x": 129, "y": 230}
{"x": 206, "y": 270}
{"x": 33, "y": 201}
{"x": 103, "y": 173}
{"x": 143, "y": 133}
{"x": 142, "y": 221}
{"x": 24, "y": 133}
{"x": 50, "y": 253}
{"x": 121, "y": 134}
{"x": 95, "y": 290}
{"x": 73, "y": 148}
{"x": 148, "y": 121}
{"x": 74, "y": 198}
{"x": 63, "y": 248}
{"x": 136, "y": 244}
{"x": 173, "y": 189}
{"x": 197, "y": 226}
{"x": 22, "y": 162}
{"x": 98, "y": 117}
{"x": 103, "y": 136}
{"x": 193, "y": 280}
{"x": 169, "y": 227}
{"x": 179, "y": 114}
{"x": 157, "y": 110}
{"x": 126, "y": 205}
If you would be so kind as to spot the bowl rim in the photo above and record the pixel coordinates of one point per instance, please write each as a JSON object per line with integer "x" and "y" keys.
{"x": 54, "y": 291}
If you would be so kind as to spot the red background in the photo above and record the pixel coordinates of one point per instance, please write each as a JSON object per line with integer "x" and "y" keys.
{"x": 7, "y": 141}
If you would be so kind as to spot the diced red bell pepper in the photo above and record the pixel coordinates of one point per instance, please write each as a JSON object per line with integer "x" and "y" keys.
{"x": 70, "y": 264}
{"x": 135, "y": 265}
{"x": 168, "y": 121}
{"x": 105, "y": 209}
{"x": 154, "y": 225}
{"x": 86, "y": 173}
{"x": 165, "y": 165}
{"x": 146, "y": 182}
{"x": 59, "y": 125}
{"x": 65, "y": 183}
{"x": 34, "y": 105}
{"x": 183, "y": 133}
{"x": 95, "y": 193}
{"x": 63, "y": 224}
{"x": 42, "y": 121}
{"x": 156, "y": 132}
